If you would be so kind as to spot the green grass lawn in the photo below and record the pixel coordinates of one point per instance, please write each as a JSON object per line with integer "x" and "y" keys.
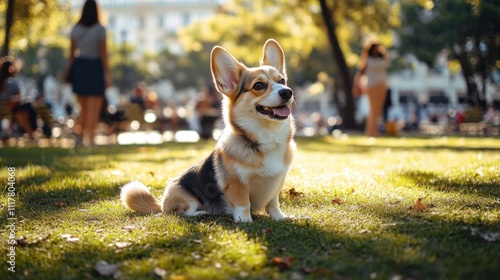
{"x": 353, "y": 208}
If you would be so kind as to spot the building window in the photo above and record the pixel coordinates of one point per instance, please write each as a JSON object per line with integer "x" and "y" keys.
{"x": 174, "y": 22}
{"x": 160, "y": 21}
{"x": 141, "y": 22}
{"x": 185, "y": 19}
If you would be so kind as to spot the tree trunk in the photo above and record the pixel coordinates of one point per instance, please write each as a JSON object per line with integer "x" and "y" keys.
{"x": 8, "y": 24}
{"x": 482, "y": 68}
{"x": 346, "y": 110}
{"x": 474, "y": 98}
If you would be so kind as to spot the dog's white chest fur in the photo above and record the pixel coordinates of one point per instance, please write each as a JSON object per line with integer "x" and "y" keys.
{"x": 266, "y": 179}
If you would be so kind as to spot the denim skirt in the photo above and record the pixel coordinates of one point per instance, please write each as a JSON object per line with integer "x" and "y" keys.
{"x": 88, "y": 77}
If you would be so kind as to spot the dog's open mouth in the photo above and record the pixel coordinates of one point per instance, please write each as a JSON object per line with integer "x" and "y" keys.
{"x": 280, "y": 112}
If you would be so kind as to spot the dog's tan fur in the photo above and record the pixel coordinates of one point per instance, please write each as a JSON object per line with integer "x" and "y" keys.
{"x": 247, "y": 169}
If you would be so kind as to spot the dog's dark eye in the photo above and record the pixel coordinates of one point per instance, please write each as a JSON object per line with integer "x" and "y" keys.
{"x": 259, "y": 86}
{"x": 282, "y": 81}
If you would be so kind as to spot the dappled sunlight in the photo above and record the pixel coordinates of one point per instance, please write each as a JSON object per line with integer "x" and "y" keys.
{"x": 352, "y": 213}
{"x": 154, "y": 137}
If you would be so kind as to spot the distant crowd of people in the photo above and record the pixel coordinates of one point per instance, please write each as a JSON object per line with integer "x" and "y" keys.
{"x": 88, "y": 73}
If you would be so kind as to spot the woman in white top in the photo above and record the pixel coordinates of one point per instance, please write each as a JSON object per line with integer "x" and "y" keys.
{"x": 90, "y": 74}
{"x": 371, "y": 78}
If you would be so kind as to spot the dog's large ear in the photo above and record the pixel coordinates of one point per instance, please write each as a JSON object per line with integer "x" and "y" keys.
{"x": 274, "y": 56}
{"x": 226, "y": 70}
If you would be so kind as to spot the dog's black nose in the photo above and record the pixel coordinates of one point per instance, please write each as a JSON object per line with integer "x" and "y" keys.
{"x": 285, "y": 93}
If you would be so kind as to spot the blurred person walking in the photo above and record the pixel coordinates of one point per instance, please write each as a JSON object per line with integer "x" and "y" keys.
{"x": 208, "y": 108}
{"x": 11, "y": 102}
{"x": 371, "y": 78}
{"x": 88, "y": 70}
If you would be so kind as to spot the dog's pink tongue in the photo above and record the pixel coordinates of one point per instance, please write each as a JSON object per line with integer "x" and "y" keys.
{"x": 282, "y": 111}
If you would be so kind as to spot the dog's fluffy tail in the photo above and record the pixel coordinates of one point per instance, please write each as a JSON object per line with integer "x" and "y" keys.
{"x": 137, "y": 197}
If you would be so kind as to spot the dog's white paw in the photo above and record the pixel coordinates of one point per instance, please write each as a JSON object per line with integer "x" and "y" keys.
{"x": 242, "y": 214}
{"x": 276, "y": 214}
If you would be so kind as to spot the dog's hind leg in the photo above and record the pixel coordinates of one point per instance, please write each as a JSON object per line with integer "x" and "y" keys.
{"x": 177, "y": 200}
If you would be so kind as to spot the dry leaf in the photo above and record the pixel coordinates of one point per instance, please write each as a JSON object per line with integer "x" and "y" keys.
{"x": 267, "y": 230}
{"x": 105, "y": 269}
{"x": 282, "y": 262}
{"x": 418, "y": 206}
{"x": 128, "y": 228}
{"x": 23, "y": 241}
{"x": 160, "y": 272}
{"x": 336, "y": 200}
{"x": 70, "y": 238}
{"x": 293, "y": 193}
{"x": 121, "y": 245}
{"x": 393, "y": 204}
{"x": 491, "y": 236}
{"x": 60, "y": 204}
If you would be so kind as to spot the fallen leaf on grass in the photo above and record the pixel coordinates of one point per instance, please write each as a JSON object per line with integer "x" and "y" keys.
{"x": 267, "y": 230}
{"x": 491, "y": 236}
{"x": 293, "y": 193}
{"x": 105, "y": 269}
{"x": 336, "y": 200}
{"x": 70, "y": 238}
{"x": 160, "y": 272}
{"x": 394, "y": 204}
{"x": 282, "y": 262}
{"x": 60, "y": 204}
{"x": 418, "y": 206}
{"x": 128, "y": 228}
{"x": 488, "y": 236}
{"x": 23, "y": 241}
{"x": 388, "y": 225}
{"x": 318, "y": 272}
{"x": 121, "y": 245}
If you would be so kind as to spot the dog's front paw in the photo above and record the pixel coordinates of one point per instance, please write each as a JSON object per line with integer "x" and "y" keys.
{"x": 242, "y": 214}
{"x": 276, "y": 214}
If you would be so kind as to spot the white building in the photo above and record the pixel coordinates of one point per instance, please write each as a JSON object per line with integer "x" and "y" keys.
{"x": 152, "y": 25}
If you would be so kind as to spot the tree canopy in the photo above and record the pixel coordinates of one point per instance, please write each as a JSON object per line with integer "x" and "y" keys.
{"x": 243, "y": 26}
{"x": 35, "y": 22}
{"x": 469, "y": 30}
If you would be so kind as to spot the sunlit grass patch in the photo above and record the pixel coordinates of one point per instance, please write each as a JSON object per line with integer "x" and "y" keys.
{"x": 352, "y": 202}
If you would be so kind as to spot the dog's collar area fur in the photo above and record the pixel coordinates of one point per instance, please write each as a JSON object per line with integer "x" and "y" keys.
{"x": 251, "y": 143}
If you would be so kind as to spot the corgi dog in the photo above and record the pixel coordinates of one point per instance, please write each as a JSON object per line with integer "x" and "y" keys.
{"x": 246, "y": 171}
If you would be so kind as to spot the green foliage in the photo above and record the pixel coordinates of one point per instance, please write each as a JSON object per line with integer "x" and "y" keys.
{"x": 36, "y": 22}
{"x": 459, "y": 26}
{"x": 70, "y": 215}
{"x": 243, "y": 26}
{"x": 38, "y": 32}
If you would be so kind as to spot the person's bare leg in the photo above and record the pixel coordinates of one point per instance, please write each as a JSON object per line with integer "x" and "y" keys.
{"x": 94, "y": 113}
{"x": 23, "y": 119}
{"x": 79, "y": 127}
{"x": 376, "y": 97}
